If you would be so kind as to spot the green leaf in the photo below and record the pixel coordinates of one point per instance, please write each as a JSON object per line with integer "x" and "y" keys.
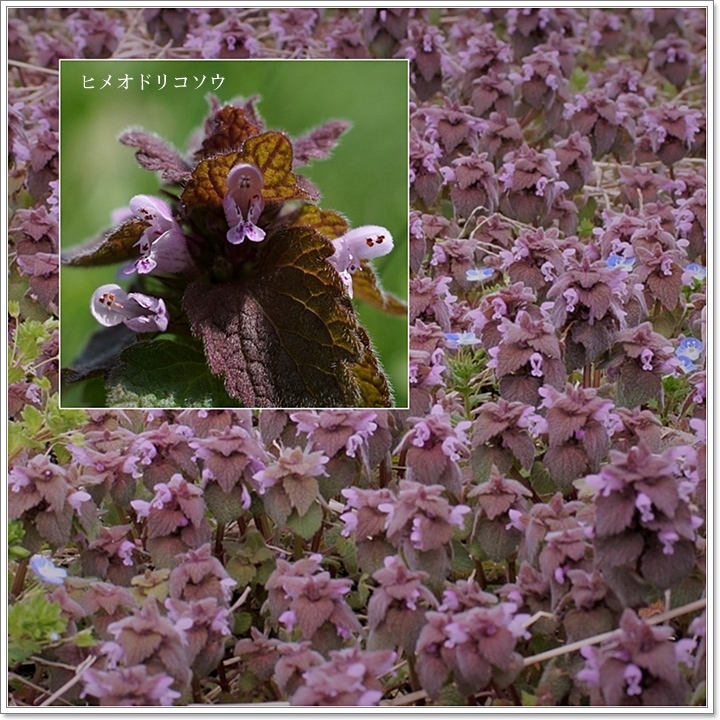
{"x": 286, "y": 334}
{"x": 308, "y": 524}
{"x": 164, "y": 373}
{"x": 112, "y": 247}
{"x": 85, "y": 638}
{"x": 32, "y": 624}
{"x": 32, "y": 419}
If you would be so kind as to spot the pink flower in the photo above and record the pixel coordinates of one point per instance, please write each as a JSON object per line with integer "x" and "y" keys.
{"x": 243, "y": 203}
{"x": 111, "y": 305}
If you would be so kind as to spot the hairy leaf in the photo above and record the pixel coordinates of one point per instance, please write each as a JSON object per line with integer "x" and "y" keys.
{"x": 164, "y": 373}
{"x": 100, "y": 353}
{"x": 285, "y": 335}
{"x": 112, "y": 247}
{"x": 157, "y": 155}
{"x": 636, "y": 386}
{"x": 226, "y": 130}
{"x": 319, "y": 143}
{"x": 302, "y": 492}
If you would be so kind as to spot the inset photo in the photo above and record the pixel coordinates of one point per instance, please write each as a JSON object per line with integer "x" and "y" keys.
{"x": 234, "y": 233}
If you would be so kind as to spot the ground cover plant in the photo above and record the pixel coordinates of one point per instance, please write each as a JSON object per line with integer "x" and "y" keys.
{"x": 531, "y": 531}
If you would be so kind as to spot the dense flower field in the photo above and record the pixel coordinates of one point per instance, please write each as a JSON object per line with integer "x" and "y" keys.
{"x": 531, "y": 531}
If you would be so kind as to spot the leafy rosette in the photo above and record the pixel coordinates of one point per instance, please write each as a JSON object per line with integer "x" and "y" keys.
{"x": 253, "y": 279}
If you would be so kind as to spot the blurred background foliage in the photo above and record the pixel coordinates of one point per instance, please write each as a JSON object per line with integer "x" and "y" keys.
{"x": 366, "y": 178}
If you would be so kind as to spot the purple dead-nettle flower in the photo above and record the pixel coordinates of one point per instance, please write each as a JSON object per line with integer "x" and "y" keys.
{"x": 492, "y": 308}
{"x": 230, "y": 38}
{"x": 396, "y": 610}
{"x": 175, "y": 516}
{"x": 349, "y": 678}
{"x": 315, "y": 603}
{"x": 205, "y": 633}
{"x": 578, "y": 421}
{"x": 644, "y": 503}
{"x": 465, "y": 594}
{"x": 492, "y": 92}
{"x": 452, "y": 125}
{"x": 640, "y": 667}
{"x": 575, "y": 157}
{"x": 162, "y": 244}
{"x": 199, "y": 575}
{"x": 156, "y": 641}
{"x": 541, "y": 79}
{"x": 110, "y": 555}
{"x": 163, "y": 451}
{"x": 421, "y": 517}
{"x": 648, "y": 348}
{"x": 361, "y": 243}
{"x": 595, "y": 116}
{"x": 606, "y": 31}
{"x": 538, "y": 256}
{"x": 332, "y": 430}
{"x": 111, "y": 305}
{"x": 474, "y": 184}
{"x": 129, "y": 686}
{"x": 433, "y": 447}
{"x": 503, "y": 135}
{"x": 474, "y": 645}
{"x": 231, "y": 456}
{"x": 502, "y": 431}
{"x": 671, "y": 130}
{"x": 362, "y": 516}
{"x": 243, "y": 203}
{"x": 484, "y": 54}
{"x": 432, "y": 297}
{"x": 532, "y": 182}
{"x": 511, "y": 359}
{"x": 672, "y": 57}
{"x": 293, "y": 28}
{"x": 691, "y": 220}
{"x": 425, "y": 179}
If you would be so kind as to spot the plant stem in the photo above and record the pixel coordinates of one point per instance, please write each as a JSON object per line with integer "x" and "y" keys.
{"x": 19, "y": 580}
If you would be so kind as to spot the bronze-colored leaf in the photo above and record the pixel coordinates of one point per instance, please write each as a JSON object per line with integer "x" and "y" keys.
{"x": 208, "y": 183}
{"x": 329, "y": 223}
{"x": 227, "y": 129}
{"x": 366, "y": 287}
{"x": 286, "y": 334}
{"x": 113, "y": 247}
{"x": 272, "y": 152}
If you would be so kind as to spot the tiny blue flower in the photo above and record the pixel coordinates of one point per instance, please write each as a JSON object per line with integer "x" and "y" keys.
{"x": 693, "y": 271}
{"x": 620, "y": 261}
{"x": 479, "y": 274}
{"x": 690, "y": 348}
{"x": 46, "y": 570}
{"x": 463, "y": 338}
{"x": 686, "y": 364}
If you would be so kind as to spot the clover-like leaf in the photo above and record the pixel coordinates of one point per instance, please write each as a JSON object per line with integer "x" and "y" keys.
{"x": 285, "y": 335}
{"x": 112, "y": 247}
{"x": 164, "y": 373}
{"x": 366, "y": 287}
{"x": 227, "y": 129}
{"x": 157, "y": 155}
